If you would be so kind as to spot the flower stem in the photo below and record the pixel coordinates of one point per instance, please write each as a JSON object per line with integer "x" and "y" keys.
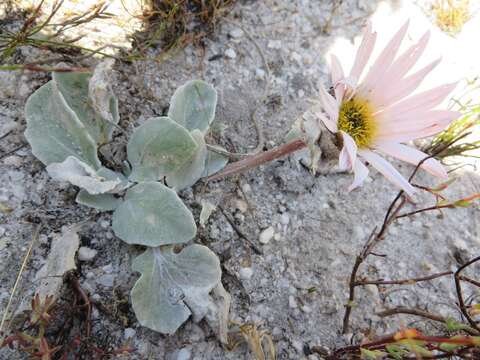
{"x": 259, "y": 159}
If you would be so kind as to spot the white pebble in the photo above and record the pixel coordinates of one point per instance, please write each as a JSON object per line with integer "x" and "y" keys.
{"x": 184, "y": 354}
{"x": 230, "y": 53}
{"x": 236, "y": 33}
{"x": 259, "y": 75}
{"x": 86, "y": 254}
{"x": 2, "y": 231}
{"x": 246, "y": 273}
{"x": 274, "y": 44}
{"x": 292, "y": 303}
{"x": 267, "y": 235}
{"x": 129, "y": 333}
{"x": 285, "y": 219}
{"x": 105, "y": 224}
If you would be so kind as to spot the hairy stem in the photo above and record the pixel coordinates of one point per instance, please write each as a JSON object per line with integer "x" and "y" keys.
{"x": 253, "y": 161}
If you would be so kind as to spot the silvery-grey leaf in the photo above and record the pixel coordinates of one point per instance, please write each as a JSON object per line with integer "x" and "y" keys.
{"x": 55, "y": 131}
{"x": 193, "y": 105}
{"x": 159, "y": 147}
{"x": 173, "y": 285}
{"x": 86, "y": 177}
{"x": 153, "y": 215}
{"x": 214, "y": 162}
{"x": 192, "y": 170}
{"x": 102, "y": 202}
{"x": 74, "y": 88}
{"x": 101, "y": 95}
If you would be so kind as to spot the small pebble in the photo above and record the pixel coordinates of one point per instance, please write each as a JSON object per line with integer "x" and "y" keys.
{"x": 246, "y": 273}
{"x": 285, "y": 219}
{"x": 236, "y": 33}
{"x": 230, "y": 53}
{"x": 86, "y": 254}
{"x": 292, "y": 303}
{"x": 106, "y": 280}
{"x": 267, "y": 235}
{"x": 259, "y": 74}
{"x": 105, "y": 224}
{"x": 241, "y": 205}
{"x": 2, "y": 231}
{"x": 274, "y": 44}
{"x": 129, "y": 333}
{"x": 184, "y": 354}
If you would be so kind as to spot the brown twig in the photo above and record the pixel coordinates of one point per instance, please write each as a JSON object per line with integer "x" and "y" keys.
{"x": 403, "y": 281}
{"x": 86, "y": 301}
{"x": 458, "y": 288}
{"x": 36, "y": 68}
{"x": 395, "y": 206}
{"x": 240, "y": 233}
{"x": 260, "y": 159}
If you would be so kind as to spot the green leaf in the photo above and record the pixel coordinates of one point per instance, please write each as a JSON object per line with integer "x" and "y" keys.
{"x": 159, "y": 147}
{"x": 214, "y": 162}
{"x": 173, "y": 286}
{"x": 84, "y": 176}
{"x": 396, "y": 351}
{"x": 371, "y": 354}
{"x": 153, "y": 215}
{"x": 192, "y": 170}
{"x": 102, "y": 202}
{"x": 54, "y": 130}
{"x": 74, "y": 88}
{"x": 193, "y": 105}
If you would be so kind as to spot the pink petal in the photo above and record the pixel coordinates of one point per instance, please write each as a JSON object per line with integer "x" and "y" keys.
{"x": 406, "y": 61}
{"x": 329, "y": 104}
{"x": 384, "y": 60}
{"x": 414, "y": 156}
{"x": 437, "y": 121}
{"x": 350, "y": 147}
{"x": 343, "y": 160}
{"x": 363, "y": 53}
{"x": 404, "y": 87}
{"x": 360, "y": 172}
{"x": 387, "y": 170}
{"x": 329, "y": 123}
{"x": 421, "y": 102}
{"x": 337, "y": 76}
{"x": 408, "y": 122}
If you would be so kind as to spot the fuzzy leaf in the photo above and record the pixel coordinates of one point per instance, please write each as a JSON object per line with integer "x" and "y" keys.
{"x": 214, "y": 162}
{"x": 54, "y": 130}
{"x": 102, "y": 202}
{"x": 153, "y": 215}
{"x": 159, "y": 147}
{"x": 84, "y": 176}
{"x": 192, "y": 170}
{"x": 193, "y": 105}
{"x": 173, "y": 286}
{"x": 98, "y": 116}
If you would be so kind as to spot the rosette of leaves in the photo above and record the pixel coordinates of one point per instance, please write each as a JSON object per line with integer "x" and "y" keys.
{"x": 69, "y": 117}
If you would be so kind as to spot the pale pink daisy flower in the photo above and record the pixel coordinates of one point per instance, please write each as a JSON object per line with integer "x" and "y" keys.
{"x": 378, "y": 111}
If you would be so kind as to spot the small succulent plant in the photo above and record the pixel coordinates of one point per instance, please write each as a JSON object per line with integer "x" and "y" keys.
{"x": 70, "y": 117}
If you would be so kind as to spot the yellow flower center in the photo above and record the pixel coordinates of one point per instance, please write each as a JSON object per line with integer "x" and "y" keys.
{"x": 356, "y": 120}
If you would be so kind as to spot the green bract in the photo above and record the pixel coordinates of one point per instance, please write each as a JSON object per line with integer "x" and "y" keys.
{"x": 173, "y": 286}
{"x": 153, "y": 215}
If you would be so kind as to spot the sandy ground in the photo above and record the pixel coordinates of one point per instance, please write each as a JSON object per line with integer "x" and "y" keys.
{"x": 297, "y": 287}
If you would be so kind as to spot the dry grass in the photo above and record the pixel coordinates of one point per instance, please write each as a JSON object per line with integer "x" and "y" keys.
{"x": 174, "y": 24}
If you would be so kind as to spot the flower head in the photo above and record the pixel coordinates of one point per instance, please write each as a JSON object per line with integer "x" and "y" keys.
{"x": 376, "y": 110}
